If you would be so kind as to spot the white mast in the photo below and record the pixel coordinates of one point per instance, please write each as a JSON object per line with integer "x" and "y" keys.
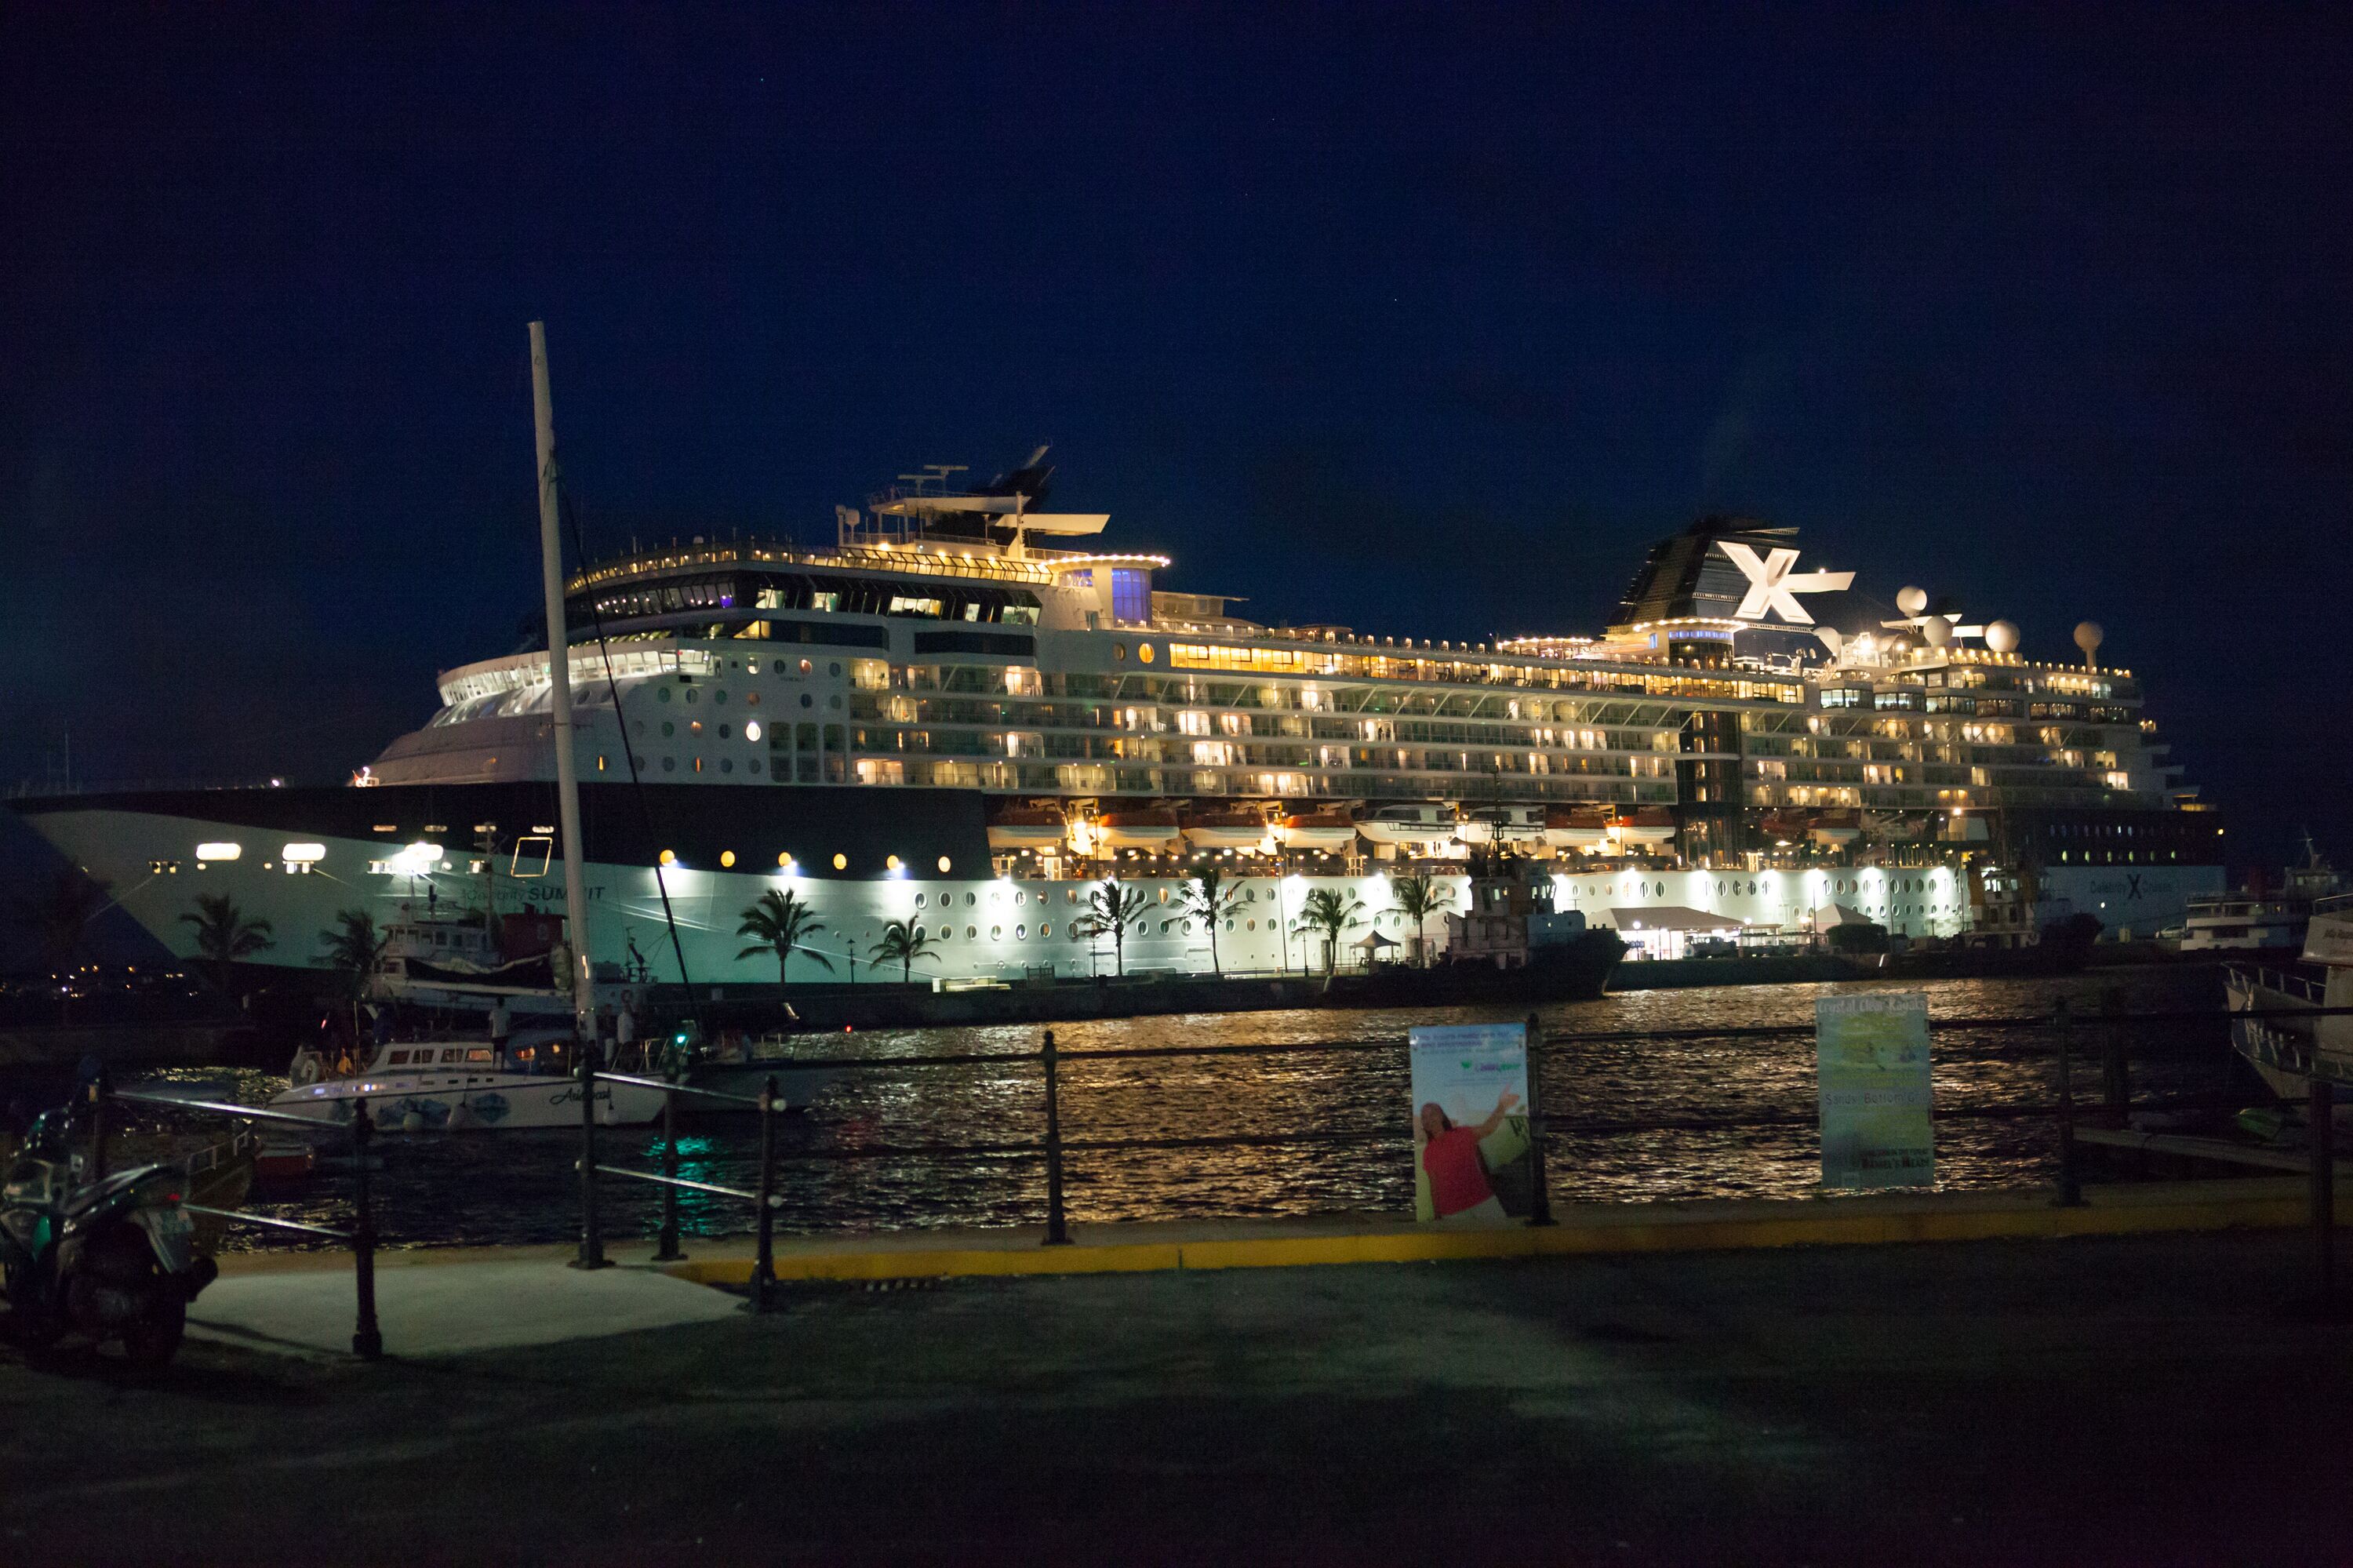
{"x": 559, "y": 674}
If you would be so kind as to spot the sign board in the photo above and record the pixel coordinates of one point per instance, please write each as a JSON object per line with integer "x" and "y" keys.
{"x": 1873, "y": 1055}
{"x": 1470, "y": 1147}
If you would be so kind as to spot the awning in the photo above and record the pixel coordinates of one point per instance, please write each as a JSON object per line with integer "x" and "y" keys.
{"x": 1830, "y": 915}
{"x": 1672, "y": 917}
{"x": 1374, "y": 939}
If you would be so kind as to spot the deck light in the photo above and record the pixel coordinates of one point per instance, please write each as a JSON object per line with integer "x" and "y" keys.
{"x": 303, "y": 855}
{"x": 841, "y": 863}
{"x": 727, "y": 857}
{"x": 669, "y": 857}
{"x": 219, "y": 851}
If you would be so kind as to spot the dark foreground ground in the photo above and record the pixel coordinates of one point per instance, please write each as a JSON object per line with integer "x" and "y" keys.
{"x": 2131, "y": 1400}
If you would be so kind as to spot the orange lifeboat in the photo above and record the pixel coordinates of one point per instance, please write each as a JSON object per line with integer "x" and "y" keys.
{"x": 1644, "y": 826}
{"x": 1575, "y": 827}
{"x": 1328, "y": 831}
{"x": 1025, "y": 828}
{"x": 1224, "y": 829}
{"x": 1155, "y": 829}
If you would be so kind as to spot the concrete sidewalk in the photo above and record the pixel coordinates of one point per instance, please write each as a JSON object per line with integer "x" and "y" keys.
{"x": 478, "y": 1303}
{"x": 2140, "y": 1399}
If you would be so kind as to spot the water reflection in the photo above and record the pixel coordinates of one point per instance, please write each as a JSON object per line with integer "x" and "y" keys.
{"x": 521, "y": 1187}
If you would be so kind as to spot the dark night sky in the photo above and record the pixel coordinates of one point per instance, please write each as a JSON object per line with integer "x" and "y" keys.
{"x": 1424, "y": 321}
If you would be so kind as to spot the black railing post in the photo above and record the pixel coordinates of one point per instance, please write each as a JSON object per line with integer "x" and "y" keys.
{"x": 1540, "y": 1195}
{"x": 1058, "y": 1230}
{"x": 592, "y": 1238}
{"x": 667, "y": 1251}
{"x": 367, "y": 1340}
{"x": 2115, "y": 1067}
{"x": 763, "y": 1257}
{"x": 97, "y": 1096}
{"x": 2323, "y": 1187}
{"x": 2071, "y": 1184}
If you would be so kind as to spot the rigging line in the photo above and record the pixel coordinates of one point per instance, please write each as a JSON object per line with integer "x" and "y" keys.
{"x": 621, "y": 723}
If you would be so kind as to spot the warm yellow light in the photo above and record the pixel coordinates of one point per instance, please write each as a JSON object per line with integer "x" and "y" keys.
{"x": 890, "y": 862}
{"x": 219, "y": 851}
{"x": 785, "y": 859}
{"x": 669, "y": 857}
{"x": 841, "y": 863}
{"x": 303, "y": 855}
{"x": 943, "y": 863}
{"x": 727, "y": 857}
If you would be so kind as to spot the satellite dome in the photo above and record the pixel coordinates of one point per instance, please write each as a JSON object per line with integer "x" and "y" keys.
{"x": 1912, "y": 600}
{"x": 1832, "y": 639}
{"x": 2001, "y": 636}
{"x": 2088, "y": 636}
{"x": 1937, "y": 630}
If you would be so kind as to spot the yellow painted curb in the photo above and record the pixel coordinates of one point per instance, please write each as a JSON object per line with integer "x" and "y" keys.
{"x": 1819, "y": 1229}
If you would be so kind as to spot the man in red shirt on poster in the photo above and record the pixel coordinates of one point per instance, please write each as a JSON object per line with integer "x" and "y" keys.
{"x": 1458, "y": 1189}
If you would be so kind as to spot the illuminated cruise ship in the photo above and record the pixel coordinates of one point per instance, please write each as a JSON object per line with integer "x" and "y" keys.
{"x": 960, "y": 712}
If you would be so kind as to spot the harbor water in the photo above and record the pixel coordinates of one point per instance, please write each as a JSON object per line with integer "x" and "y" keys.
{"x": 521, "y": 1187}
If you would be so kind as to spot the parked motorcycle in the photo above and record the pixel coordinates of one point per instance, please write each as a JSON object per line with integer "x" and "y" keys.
{"x": 111, "y": 1259}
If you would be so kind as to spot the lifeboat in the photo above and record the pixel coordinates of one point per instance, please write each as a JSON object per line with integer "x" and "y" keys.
{"x": 1025, "y": 828}
{"x": 1502, "y": 824}
{"x": 1317, "y": 830}
{"x": 1646, "y": 825}
{"x": 1783, "y": 828}
{"x": 1575, "y": 827}
{"x": 1224, "y": 829}
{"x": 1891, "y": 827}
{"x": 1835, "y": 828}
{"x": 1415, "y": 824}
{"x": 1138, "y": 829}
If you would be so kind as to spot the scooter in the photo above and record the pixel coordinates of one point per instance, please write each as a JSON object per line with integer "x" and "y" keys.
{"x": 113, "y": 1259}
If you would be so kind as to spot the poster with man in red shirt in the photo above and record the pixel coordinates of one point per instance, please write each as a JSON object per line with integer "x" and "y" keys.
{"x": 1471, "y": 1146}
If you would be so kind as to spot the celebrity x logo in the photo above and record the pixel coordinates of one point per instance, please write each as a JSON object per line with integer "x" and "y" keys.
{"x": 1773, "y": 586}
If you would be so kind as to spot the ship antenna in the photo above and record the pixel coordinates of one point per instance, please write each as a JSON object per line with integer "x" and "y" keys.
{"x": 559, "y": 675}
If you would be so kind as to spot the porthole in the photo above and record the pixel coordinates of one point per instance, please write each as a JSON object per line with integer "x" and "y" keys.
{"x": 1071, "y": 895}
{"x": 834, "y": 701}
{"x": 806, "y": 666}
{"x": 1119, "y": 652}
{"x": 1163, "y": 895}
{"x": 1144, "y": 652}
{"x": 697, "y": 765}
{"x": 690, "y": 694}
{"x": 751, "y": 699}
{"x": 719, "y": 696}
{"x": 669, "y": 764}
{"x": 751, "y": 730}
{"x": 751, "y": 667}
{"x": 669, "y": 728}
{"x": 694, "y": 727}
{"x": 1020, "y": 897}
{"x": 1229, "y": 925}
{"x": 970, "y": 899}
{"x": 833, "y": 668}
{"x": 1021, "y": 933}
{"x": 997, "y": 933}
{"x": 1045, "y": 928}
{"x": 808, "y": 701}
{"x": 753, "y": 764}
{"x": 1250, "y": 894}
{"x": 919, "y": 901}
{"x": 726, "y": 765}
{"x": 726, "y": 732}
{"x": 660, "y": 694}
{"x": 971, "y": 933}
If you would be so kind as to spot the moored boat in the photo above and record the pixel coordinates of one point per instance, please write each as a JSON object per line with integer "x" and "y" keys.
{"x": 1328, "y": 831}
{"x": 454, "y": 1086}
{"x": 1225, "y": 830}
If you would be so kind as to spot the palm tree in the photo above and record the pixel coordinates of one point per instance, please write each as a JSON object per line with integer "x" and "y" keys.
{"x": 1207, "y": 899}
{"x": 1112, "y": 911}
{"x": 1418, "y": 897}
{"x": 58, "y": 922}
{"x": 780, "y": 923}
{"x": 1330, "y": 911}
{"x": 224, "y": 935}
{"x": 903, "y": 944}
{"x": 355, "y": 948}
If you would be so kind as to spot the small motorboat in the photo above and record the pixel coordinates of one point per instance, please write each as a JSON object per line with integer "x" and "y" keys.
{"x": 1646, "y": 826}
{"x": 1502, "y": 825}
{"x": 1415, "y": 825}
{"x": 1575, "y": 827}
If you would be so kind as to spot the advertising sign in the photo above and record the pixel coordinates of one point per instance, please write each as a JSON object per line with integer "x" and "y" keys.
{"x": 1470, "y": 1147}
{"x": 1873, "y": 1055}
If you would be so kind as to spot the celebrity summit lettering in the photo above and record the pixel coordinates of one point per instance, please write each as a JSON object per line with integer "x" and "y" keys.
{"x": 1872, "y": 1054}
{"x": 1772, "y": 586}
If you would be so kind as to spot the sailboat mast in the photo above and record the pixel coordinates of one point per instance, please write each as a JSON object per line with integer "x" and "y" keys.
{"x": 559, "y": 674}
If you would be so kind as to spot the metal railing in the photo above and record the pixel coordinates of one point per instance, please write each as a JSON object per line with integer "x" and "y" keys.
{"x": 367, "y": 1336}
{"x": 1055, "y": 1146}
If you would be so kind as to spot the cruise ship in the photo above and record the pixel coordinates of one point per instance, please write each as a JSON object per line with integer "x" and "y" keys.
{"x": 965, "y": 708}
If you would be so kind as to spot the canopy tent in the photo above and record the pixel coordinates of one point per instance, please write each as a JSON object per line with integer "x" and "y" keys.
{"x": 1673, "y": 918}
{"x": 1372, "y": 940}
{"x": 1831, "y": 914}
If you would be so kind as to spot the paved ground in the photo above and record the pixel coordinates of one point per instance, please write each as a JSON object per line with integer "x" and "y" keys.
{"x": 2143, "y": 1400}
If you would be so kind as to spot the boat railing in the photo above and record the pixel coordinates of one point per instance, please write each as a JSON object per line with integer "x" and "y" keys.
{"x": 2312, "y": 991}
